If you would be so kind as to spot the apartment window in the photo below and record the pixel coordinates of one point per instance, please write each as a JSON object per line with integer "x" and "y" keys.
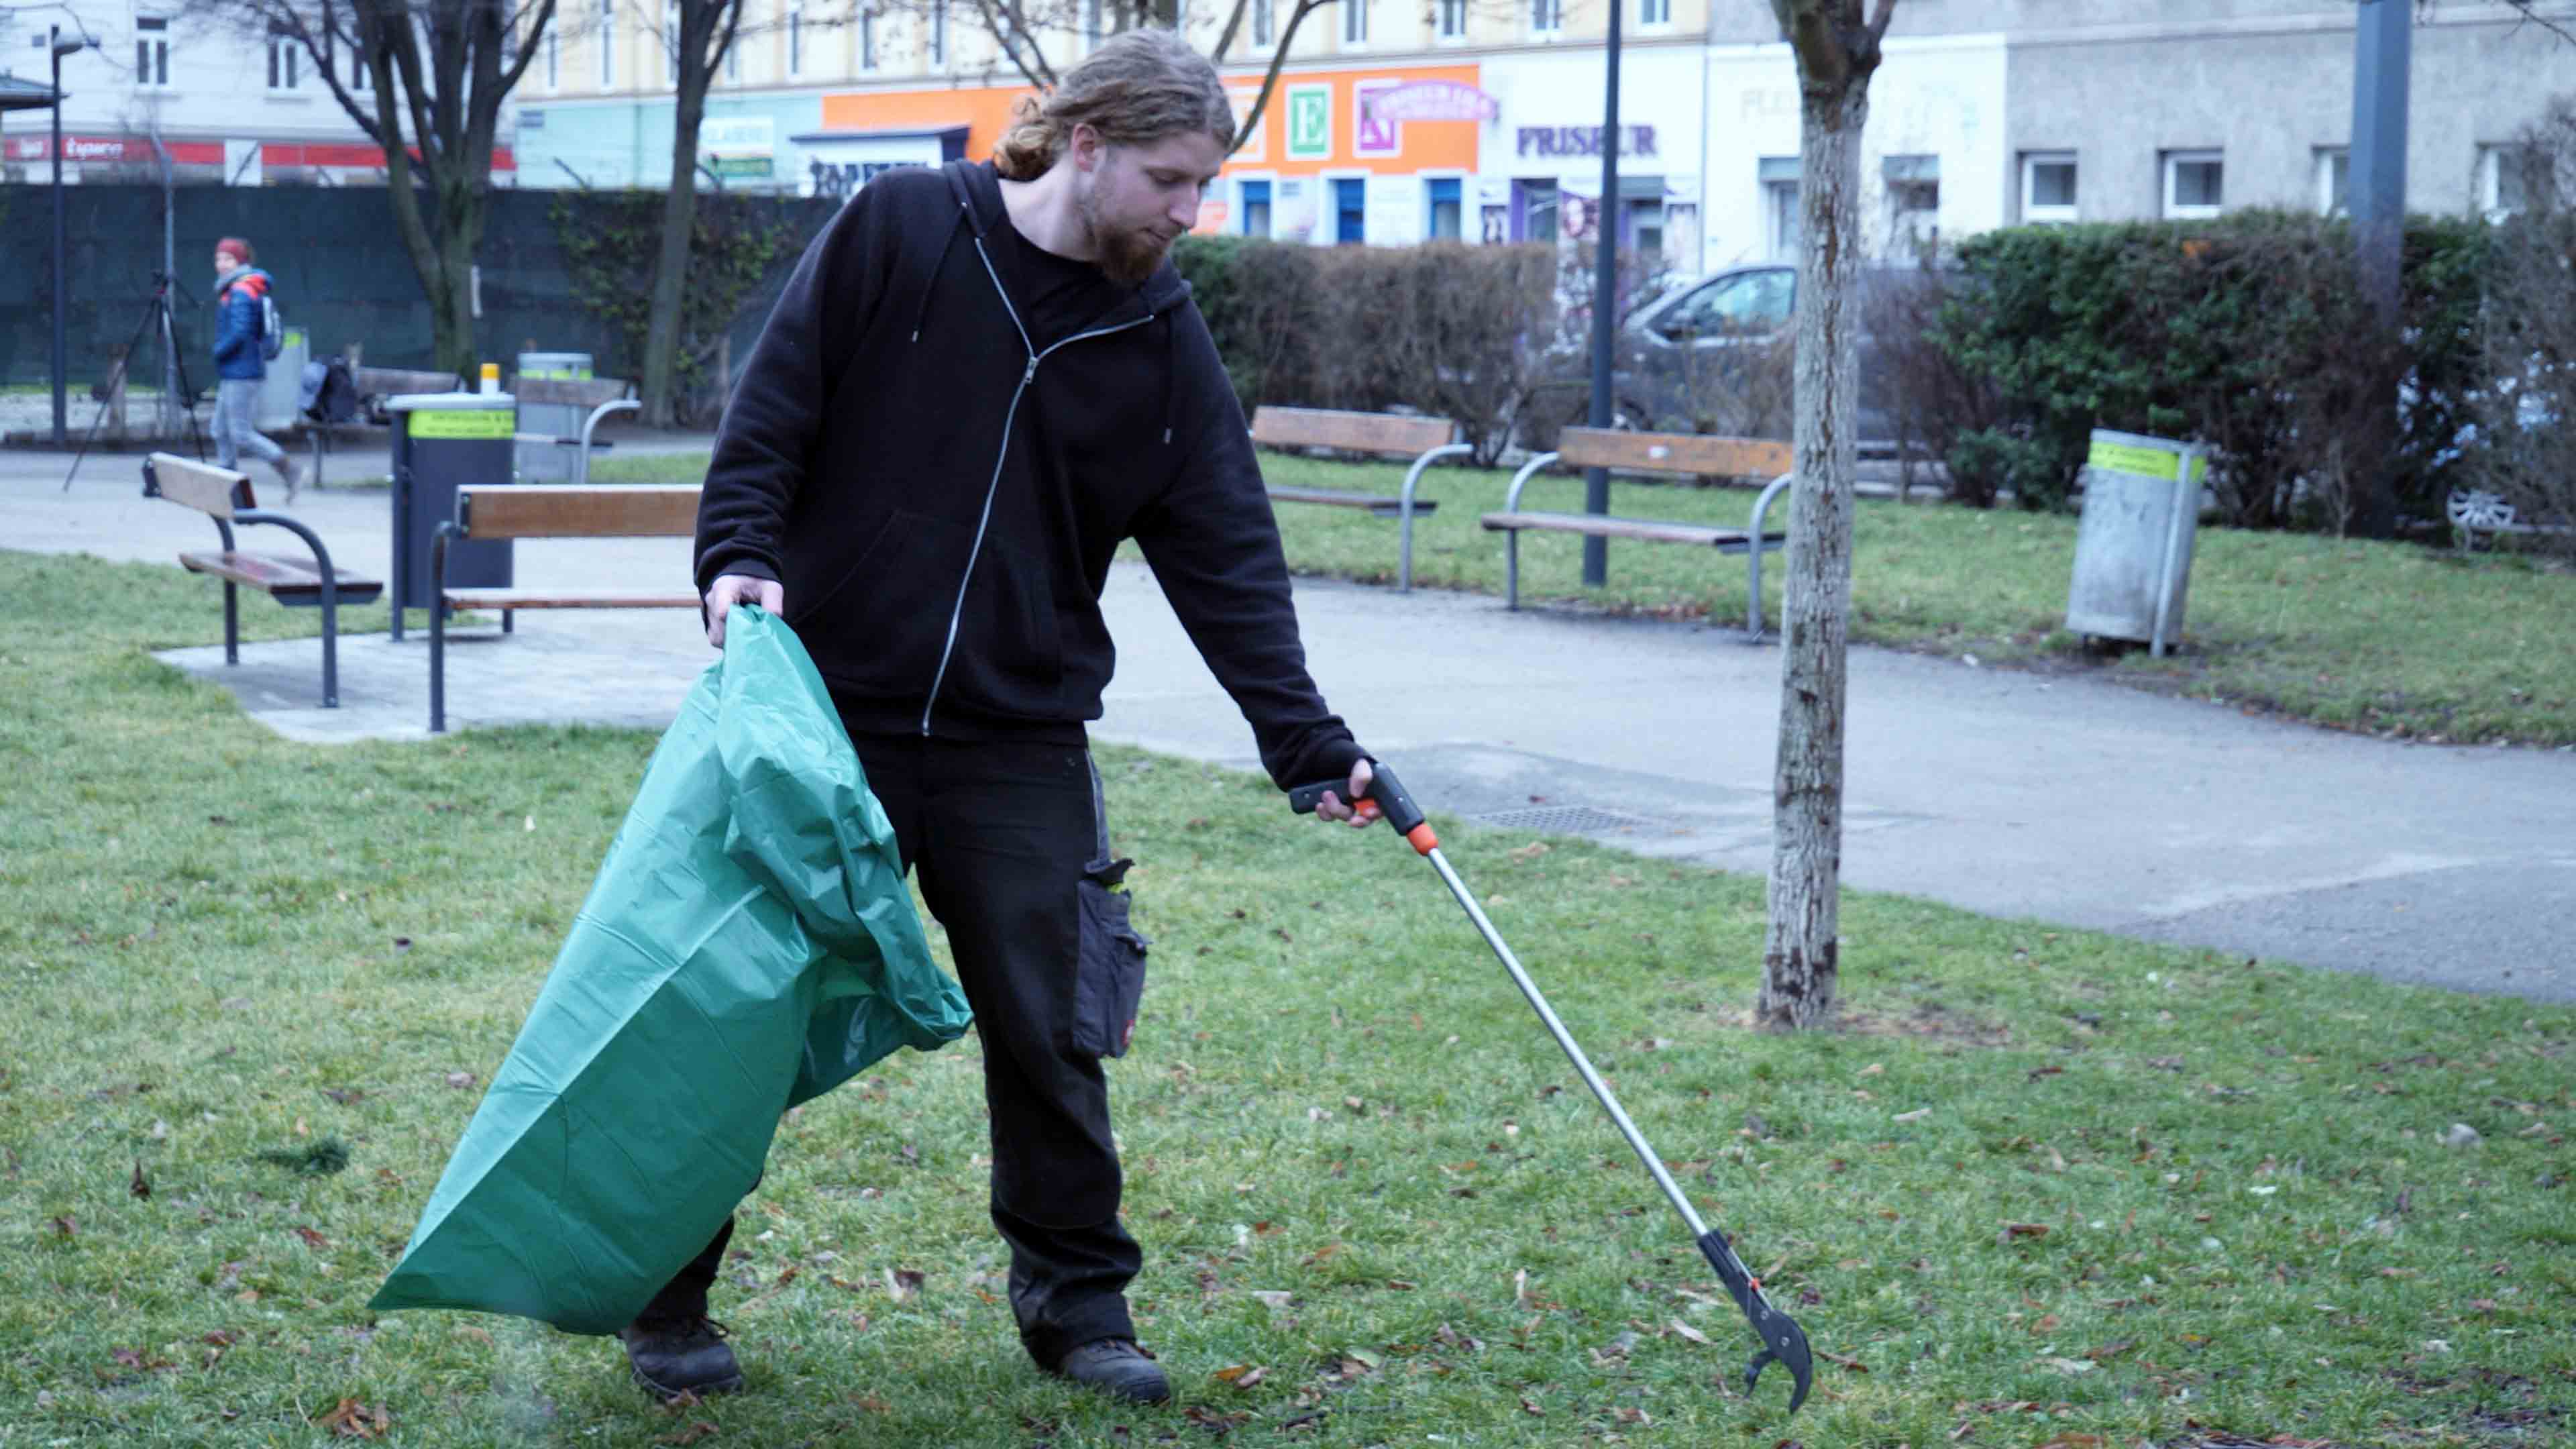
{"x": 2508, "y": 178}
{"x": 282, "y": 57}
{"x": 554, "y": 62}
{"x": 939, "y": 34}
{"x": 1547, "y": 17}
{"x": 1654, "y": 12}
{"x": 2048, "y": 186}
{"x": 868, "y": 39}
{"x": 607, "y": 43}
{"x": 1355, "y": 19}
{"x": 1779, "y": 176}
{"x": 2195, "y": 184}
{"x": 670, "y": 48}
{"x": 2334, "y": 181}
{"x": 152, "y": 51}
{"x": 1453, "y": 19}
{"x": 1446, "y": 208}
{"x": 795, "y": 40}
{"x": 1256, "y": 208}
{"x": 1261, "y": 24}
{"x": 1913, "y": 203}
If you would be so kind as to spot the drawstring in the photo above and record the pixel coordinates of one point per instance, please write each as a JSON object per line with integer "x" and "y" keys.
{"x": 922, "y": 314}
{"x": 1171, "y": 370}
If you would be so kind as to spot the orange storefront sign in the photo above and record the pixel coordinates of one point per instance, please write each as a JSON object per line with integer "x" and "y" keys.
{"x": 1312, "y": 124}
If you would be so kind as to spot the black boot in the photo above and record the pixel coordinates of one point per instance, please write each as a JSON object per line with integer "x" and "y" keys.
{"x": 675, "y": 1356}
{"x": 1118, "y": 1367}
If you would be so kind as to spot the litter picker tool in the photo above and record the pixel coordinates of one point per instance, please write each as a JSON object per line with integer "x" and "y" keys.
{"x": 1782, "y": 1340}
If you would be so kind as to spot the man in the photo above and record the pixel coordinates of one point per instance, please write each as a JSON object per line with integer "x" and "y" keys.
{"x": 241, "y": 365}
{"x": 979, "y": 381}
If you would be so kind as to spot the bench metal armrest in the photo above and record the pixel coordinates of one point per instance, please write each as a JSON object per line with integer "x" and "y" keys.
{"x": 330, "y": 592}
{"x": 1404, "y": 506}
{"x": 1520, "y": 480}
{"x": 581, "y": 460}
{"x": 1753, "y": 555}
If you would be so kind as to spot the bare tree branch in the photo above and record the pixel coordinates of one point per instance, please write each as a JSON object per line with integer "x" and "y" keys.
{"x": 1278, "y": 57}
{"x": 1225, "y": 37}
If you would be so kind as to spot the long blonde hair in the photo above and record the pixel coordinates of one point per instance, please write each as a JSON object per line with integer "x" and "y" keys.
{"x": 1137, "y": 88}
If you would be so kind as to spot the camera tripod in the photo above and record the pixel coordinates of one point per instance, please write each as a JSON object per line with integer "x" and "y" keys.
{"x": 159, "y": 323}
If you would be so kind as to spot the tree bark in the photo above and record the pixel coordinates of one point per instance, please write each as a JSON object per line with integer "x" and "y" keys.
{"x": 1801, "y": 964}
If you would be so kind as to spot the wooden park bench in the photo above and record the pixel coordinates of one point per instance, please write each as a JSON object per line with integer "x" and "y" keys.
{"x": 1423, "y": 440}
{"x": 550, "y": 511}
{"x": 225, "y": 496}
{"x": 1684, "y": 454}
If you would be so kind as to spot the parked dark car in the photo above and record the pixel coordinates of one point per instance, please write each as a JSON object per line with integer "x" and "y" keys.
{"x": 1715, "y": 358}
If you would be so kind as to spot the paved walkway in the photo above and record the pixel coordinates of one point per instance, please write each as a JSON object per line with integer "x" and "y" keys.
{"x": 2063, "y": 800}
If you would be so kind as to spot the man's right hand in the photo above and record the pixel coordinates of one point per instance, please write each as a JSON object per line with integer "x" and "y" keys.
{"x": 731, "y": 589}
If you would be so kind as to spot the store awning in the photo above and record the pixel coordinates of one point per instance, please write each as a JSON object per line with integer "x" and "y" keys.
{"x": 24, "y": 95}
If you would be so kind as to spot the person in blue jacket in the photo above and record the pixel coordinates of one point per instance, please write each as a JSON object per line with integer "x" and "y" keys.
{"x": 240, "y": 365}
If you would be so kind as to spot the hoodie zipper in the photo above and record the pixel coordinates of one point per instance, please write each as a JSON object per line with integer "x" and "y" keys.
{"x": 1028, "y": 375}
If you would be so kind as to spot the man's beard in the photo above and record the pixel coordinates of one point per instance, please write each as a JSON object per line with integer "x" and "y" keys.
{"x": 1129, "y": 257}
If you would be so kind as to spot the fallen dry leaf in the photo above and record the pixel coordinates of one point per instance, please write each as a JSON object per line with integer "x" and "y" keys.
{"x": 1242, "y": 1376}
{"x": 1917, "y": 1115}
{"x": 873, "y": 1404}
{"x": 2021, "y": 1230}
{"x": 903, "y": 1283}
{"x": 141, "y": 1186}
{"x": 312, "y": 1239}
{"x": 355, "y": 1420}
{"x": 460, "y": 1080}
{"x": 698, "y": 1429}
{"x": 1684, "y": 1330}
{"x": 2072, "y": 1440}
{"x": 1855, "y": 1365}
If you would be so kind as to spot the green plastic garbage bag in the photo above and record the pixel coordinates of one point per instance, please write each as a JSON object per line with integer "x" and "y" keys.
{"x": 749, "y": 944}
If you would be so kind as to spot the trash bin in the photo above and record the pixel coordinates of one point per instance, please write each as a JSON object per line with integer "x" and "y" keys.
{"x": 277, "y": 412}
{"x": 2133, "y": 547}
{"x": 444, "y": 441}
{"x": 550, "y": 462}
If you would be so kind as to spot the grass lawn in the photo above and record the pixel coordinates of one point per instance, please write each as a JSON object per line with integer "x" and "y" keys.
{"x": 2040, "y": 1187}
{"x": 2390, "y": 638}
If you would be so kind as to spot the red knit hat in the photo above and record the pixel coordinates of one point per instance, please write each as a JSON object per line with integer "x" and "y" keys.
{"x": 239, "y": 249}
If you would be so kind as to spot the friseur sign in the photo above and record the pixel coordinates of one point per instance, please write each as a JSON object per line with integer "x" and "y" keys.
{"x": 1582, "y": 141}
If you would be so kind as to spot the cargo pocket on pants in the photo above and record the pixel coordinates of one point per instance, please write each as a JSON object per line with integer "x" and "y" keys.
{"x": 1109, "y": 975}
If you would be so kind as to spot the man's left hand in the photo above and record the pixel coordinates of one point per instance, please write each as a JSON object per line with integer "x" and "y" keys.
{"x": 1334, "y": 807}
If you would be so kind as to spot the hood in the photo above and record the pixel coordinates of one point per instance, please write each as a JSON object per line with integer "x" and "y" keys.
{"x": 251, "y": 280}
{"x": 978, "y": 189}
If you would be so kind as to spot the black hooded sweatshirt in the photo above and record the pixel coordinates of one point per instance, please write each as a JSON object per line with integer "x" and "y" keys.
{"x": 940, "y": 485}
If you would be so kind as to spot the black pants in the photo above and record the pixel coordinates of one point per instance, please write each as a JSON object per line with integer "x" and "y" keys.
{"x": 1004, "y": 836}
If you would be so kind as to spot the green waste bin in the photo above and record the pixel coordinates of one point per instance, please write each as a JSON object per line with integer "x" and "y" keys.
{"x": 444, "y": 441}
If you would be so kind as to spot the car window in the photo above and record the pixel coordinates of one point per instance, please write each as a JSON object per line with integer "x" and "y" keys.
{"x": 1746, "y": 304}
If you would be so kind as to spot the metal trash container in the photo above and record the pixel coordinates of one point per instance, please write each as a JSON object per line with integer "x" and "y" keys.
{"x": 444, "y": 441}
{"x": 2133, "y": 547}
{"x": 549, "y": 462}
{"x": 277, "y": 412}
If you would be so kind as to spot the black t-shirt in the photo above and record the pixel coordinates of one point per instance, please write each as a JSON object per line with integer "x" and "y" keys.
{"x": 1057, "y": 296}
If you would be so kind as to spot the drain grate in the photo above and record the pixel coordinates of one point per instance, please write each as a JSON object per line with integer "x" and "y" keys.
{"x": 1569, "y": 820}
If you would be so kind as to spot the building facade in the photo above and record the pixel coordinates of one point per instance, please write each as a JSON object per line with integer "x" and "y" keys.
{"x": 171, "y": 85}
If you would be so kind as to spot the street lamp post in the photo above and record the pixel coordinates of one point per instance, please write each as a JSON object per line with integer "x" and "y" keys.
{"x": 62, "y": 281}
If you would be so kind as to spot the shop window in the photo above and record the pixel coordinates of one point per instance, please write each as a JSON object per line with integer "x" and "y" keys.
{"x": 1538, "y": 210}
{"x": 1350, "y": 211}
{"x": 1447, "y": 217}
{"x": 2048, "y": 186}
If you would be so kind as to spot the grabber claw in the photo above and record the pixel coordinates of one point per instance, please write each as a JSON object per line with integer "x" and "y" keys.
{"x": 1783, "y": 1342}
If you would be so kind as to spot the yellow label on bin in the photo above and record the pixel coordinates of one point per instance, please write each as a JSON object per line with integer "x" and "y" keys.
{"x": 2130, "y": 458}
{"x": 465, "y": 424}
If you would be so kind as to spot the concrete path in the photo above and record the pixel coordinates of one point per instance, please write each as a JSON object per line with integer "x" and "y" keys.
{"x": 2067, "y": 801}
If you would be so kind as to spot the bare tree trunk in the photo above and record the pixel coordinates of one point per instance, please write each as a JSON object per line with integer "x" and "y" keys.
{"x": 1800, "y": 956}
{"x": 679, "y": 229}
